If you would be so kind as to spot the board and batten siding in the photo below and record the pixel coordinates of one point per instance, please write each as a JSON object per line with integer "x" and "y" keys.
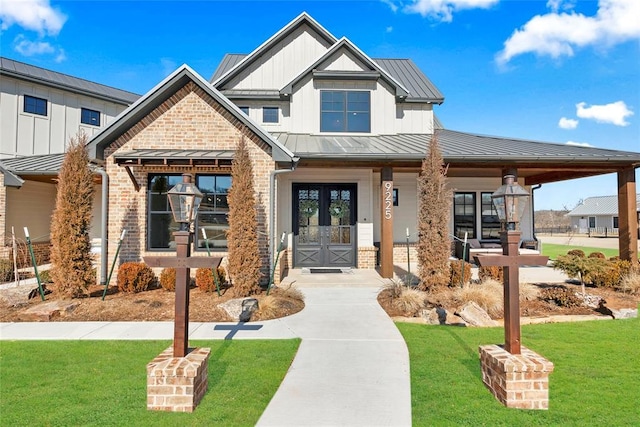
{"x": 25, "y": 134}
{"x": 283, "y": 62}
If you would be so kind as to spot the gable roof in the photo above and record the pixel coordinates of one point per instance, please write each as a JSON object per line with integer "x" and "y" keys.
{"x": 420, "y": 88}
{"x": 22, "y": 71}
{"x": 240, "y": 63}
{"x": 159, "y": 94}
{"x": 600, "y": 205}
{"x": 345, "y": 43}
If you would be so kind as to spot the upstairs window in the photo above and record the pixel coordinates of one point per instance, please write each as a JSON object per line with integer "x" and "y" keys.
{"x": 269, "y": 114}
{"x": 245, "y": 110}
{"x": 35, "y": 105}
{"x": 90, "y": 117}
{"x": 345, "y": 111}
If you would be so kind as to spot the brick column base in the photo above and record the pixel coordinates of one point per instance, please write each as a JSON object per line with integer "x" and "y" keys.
{"x": 177, "y": 384}
{"x": 516, "y": 380}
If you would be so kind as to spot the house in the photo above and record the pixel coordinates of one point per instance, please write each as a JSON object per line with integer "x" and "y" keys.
{"x": 599, "y": 215}
{"x": 39, "y": 111}
{"x": 337, "y": 141}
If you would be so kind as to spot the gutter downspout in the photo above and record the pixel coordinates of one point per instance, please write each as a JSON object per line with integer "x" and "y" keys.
{"x": 272, "y": 201}
{"x": 533, "y": 212}
{"x": 103, "y": 225}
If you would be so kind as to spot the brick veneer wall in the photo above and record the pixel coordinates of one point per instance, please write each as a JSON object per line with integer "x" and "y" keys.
{"x": 189, "y": 119}
{"x": 177, "y": 384}
{"x": 516, "y": 380}
{"x": 41, "y": 250}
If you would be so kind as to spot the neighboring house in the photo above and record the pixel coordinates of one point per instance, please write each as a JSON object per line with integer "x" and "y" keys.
{"x": 337, "y": 141}
{"x": 599, "y": 215}
{"x": 40, "y": 110}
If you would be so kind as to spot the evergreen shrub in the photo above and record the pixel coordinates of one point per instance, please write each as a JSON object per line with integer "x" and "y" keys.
{"x": 490, "y": 273}
{"x": 560, "y": 296}
{"x": 168, "y": 279}
{"x": 456, "y": 268}
{"x": 135, "y": 277}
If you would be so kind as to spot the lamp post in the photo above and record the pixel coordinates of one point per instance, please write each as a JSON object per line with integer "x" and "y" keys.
{"x": 510, "y": 200}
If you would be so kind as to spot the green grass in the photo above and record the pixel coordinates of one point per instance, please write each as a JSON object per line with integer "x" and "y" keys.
{"x": 64, "y": 383}
{"x": 596, "y": 380}
{"x": 552, "y": 250}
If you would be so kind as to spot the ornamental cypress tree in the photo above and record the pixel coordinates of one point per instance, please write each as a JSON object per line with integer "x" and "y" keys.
{"x": 434, "y": 203}
{"x": 71, "y": 259}
{"x": 242, "y": 237}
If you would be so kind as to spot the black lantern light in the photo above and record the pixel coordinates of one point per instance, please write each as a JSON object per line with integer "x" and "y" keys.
{"x": 184, "y": 199}
{"x": 510, "y": 201}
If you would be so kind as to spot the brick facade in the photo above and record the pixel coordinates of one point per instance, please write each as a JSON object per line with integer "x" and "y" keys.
{"x": 177, "y": 384}
{"x": 188, "y": 119}
{"x": 516, "y": 380}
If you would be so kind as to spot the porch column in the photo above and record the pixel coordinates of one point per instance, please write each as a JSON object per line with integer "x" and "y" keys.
{"x": 386, "y": 223}
{"x": 627, "y": 215}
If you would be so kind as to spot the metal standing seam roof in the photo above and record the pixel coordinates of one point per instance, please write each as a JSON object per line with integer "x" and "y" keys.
{"x": 23, "y": 71}
{"x": 404, "y": 71}
{"x": 600, "y": 205}
{"x": 43, "y": 164}
{"x": 455, "y": 146}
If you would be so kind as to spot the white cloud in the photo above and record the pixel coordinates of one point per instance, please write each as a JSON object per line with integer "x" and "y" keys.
{"x": 30, "y": 48}
{"x": 578, "y": 144}
{"x": 614, "y": 113}
{"x": 440, "y": 10}
{"x": 34, "y": 15}
{"x": 168, "y": 66}
{"x": 565, "y": 123}
{"x": 556, "y": 5}
{"x": 558, "y": 34}
{"x": 389, "y": 29}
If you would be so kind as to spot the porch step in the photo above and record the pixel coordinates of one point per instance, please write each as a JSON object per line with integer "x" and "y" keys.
{"x": 326, "y": 270}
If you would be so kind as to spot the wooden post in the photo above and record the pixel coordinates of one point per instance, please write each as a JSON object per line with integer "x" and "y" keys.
{"x": 627, "y": 216}
{"x": 386, "y": 223}
{"x": 181, "y": 324}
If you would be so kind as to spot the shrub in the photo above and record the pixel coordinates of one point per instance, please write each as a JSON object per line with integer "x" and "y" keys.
{"x": 560, "y": 296}
{"x": 168, "y": 279}
{"x": 289, "y": 292}
{"x": 135, "y": 277}
{"x": 611, "y": 274}
{"x": 576, "y": 252}
{"x": 456, "y": 270}
{"x": 490, "y": 273}
{"x": 630, "y": 283}
{"x": 6, "y": 270}
{"x": 599, "y": 255}
{"x": 45, "y": 276}
{"x": 487, "y": 295}
{"x": 205, "y": 280}
{"x": 410, "y": 301}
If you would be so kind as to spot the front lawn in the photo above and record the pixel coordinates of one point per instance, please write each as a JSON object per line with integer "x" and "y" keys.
{"x": 552, "y": 250}
{"x": 596, "y": 380}
{"x": 65, "y": 383}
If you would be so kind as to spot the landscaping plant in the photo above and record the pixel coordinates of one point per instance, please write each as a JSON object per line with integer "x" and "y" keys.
{"x": 168, "y": 279}
{"x": 434, "y": 199}
{"x": 242, "y": 236}
{"x": 135, "y": 277}
{"x": 71, "y": 258}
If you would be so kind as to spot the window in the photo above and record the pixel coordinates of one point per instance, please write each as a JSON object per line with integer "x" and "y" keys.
{"x": 269, "y": 114}
{"x": 212, "y": 215}
{"x": 245, "y": 110}
{"x": 35, "y": 105}
{"x": 395, "y": 197}
{"x": 615, "y": 222}
{"x": 489, "y": 221}
{"x": 90, "y": 117}
{"x": 592, "y": 222}
{"x": 345, "y": 111}
{"x": 464, "y": 215}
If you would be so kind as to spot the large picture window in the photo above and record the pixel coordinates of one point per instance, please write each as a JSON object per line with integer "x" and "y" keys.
{"x": 345, "y": 111}
{"x": 212, "y": 215}
{"x": 489, "y": 221}
{"x": 464, "y": 215}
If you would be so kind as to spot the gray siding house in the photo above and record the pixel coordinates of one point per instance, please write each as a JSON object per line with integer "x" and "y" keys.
{"x": 599, "y": 216}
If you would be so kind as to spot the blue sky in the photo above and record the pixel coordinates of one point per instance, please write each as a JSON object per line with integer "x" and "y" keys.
{"x": 564, "y": 71}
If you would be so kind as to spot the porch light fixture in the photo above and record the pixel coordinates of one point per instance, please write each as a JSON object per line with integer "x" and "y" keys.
{"x": 184, "y": 199}
{"x": 510, "y": 200}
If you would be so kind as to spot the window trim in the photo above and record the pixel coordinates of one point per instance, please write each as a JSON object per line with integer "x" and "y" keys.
{"x": 89, "y": 110}
{"x": 270, "y": 108}
{"x": 36, "y": 99}
{"x": 474, "y": 228}
{"x": 345, "y": 111}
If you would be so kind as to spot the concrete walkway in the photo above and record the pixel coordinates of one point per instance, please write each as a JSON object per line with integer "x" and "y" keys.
{"x": 352, "y": 367}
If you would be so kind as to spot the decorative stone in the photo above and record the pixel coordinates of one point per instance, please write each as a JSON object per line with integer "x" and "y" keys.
{"x": 240, "y": 308}
{"x": 625, "y": 313}
{"x": 48, "y": 311}
{"x": 474, "y": 315}
{"x": 430, "y": 316}
{"x": 177, "y": 384}
{"x": 517, "y": 380}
